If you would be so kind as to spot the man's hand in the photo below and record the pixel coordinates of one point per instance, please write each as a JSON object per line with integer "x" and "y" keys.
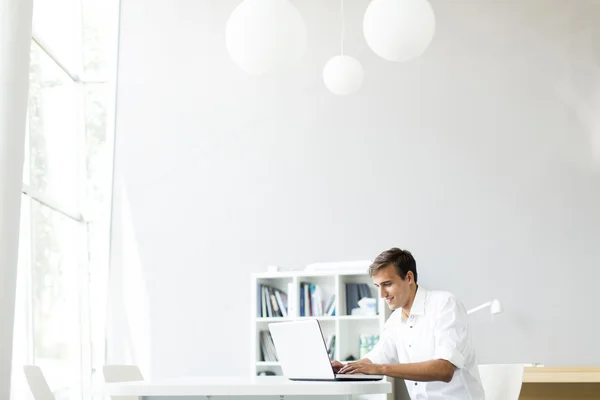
{"x": 361, "y": 368}
{"x": 336, "y": 366}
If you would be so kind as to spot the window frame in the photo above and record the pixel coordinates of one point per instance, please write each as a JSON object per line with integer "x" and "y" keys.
{"x": 89, "y": 363}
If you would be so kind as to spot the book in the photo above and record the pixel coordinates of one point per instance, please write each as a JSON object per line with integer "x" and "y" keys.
{"x": 271, "y": 302}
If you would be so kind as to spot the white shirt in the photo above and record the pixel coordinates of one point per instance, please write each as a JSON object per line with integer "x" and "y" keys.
{"x": 437, "y": 328}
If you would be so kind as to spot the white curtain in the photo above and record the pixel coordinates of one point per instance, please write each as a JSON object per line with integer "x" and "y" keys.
{"x": 15, "y": 39}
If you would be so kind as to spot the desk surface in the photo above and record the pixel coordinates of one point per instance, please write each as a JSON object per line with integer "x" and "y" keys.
{"x": 235, "y": 386}
{"x": 561, "y": 375}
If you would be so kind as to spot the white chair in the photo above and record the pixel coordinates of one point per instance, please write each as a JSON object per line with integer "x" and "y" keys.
{"x": 37, "y": 383}
{"x": 122, "y": 373}
{"x": 501, "y": 381}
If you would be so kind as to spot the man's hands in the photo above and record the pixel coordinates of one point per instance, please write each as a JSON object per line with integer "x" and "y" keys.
{"x": 361, "y": 368}
{"x": 356, "y": 367}
{"x": 336, "y": 366}
{"x": 426, "y": 371}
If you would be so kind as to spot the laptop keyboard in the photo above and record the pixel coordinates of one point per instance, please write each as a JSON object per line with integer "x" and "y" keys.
{"x": 358, "y": 376}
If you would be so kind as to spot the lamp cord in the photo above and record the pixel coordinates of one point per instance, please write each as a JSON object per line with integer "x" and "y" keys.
{"x": 343, "y": 27}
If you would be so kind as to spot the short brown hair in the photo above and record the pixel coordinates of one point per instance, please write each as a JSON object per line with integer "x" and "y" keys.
{"x": 401, "y": 259}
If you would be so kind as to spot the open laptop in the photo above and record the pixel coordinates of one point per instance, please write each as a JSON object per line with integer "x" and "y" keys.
{"x": 303, "y": 355}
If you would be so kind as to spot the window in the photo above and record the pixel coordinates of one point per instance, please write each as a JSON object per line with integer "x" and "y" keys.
{"x": 67, "y": 179}
{"x": 59, "y": 298}
{"x": 55, "y": 134}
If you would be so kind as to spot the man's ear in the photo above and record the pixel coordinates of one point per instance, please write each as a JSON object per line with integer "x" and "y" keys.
{"x": 410, "y": 277}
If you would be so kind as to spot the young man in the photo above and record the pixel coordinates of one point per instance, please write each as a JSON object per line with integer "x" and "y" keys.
{"x": 426, "y": 341}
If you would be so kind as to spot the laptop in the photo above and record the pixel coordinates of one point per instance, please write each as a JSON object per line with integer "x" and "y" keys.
{"x": 302, "y": 353}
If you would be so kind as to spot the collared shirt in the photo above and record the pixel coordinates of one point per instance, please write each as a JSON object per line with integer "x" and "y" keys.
{"x": 437, "y": 328}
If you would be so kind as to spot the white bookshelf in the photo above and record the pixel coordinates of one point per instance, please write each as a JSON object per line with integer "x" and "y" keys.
{"x": 347, "y": 328}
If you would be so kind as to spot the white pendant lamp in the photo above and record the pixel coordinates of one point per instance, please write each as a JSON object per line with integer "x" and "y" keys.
{"x": 264, "y": 36}
{"x": 399, "y": 30}
{"x": 343, "y": 74}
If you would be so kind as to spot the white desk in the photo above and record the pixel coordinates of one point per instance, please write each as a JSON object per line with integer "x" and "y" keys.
{"x": 271, "y": 388}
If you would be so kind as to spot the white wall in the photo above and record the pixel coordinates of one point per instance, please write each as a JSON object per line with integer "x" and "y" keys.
{"x": 479, "y": 157}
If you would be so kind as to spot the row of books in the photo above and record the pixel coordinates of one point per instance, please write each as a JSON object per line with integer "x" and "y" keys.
{"x": 271, "y": 302}
{"x": 312, "y": 302}
{"x": 267, "y": 347}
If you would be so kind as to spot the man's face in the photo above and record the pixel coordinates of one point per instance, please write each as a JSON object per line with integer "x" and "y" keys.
{"x": 392, "y": 288}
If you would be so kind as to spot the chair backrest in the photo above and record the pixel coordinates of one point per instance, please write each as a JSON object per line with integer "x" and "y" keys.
{"x": 122, "y": 373}
{"x": 37, "y": 383}
{"x": 501, "y": 381}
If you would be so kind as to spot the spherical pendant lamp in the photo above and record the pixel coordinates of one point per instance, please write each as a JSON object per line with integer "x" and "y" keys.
{"x": 264, "y": 36}
{"x": 399, "y": 30}
{"x": 343, "y": 75}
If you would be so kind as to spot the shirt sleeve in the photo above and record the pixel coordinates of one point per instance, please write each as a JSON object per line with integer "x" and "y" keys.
{"x": 451, "y": 333}
{"x": 384, "y": 352}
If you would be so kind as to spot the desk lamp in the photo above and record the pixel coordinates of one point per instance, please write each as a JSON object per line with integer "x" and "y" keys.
{"x": 494, "y": 305}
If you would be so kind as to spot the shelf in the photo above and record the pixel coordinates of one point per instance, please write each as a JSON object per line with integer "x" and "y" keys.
{"x": 320, "y": 318}
{"x": 267, "y": 364}
{"x": 305, "y": 274}
{"x": 273, "y": 319}
{"x": 332, "y": 285}
{"x": 358, "y": 317}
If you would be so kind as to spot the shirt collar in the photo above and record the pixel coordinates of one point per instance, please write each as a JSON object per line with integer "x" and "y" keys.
{"x": 418, "y": 306}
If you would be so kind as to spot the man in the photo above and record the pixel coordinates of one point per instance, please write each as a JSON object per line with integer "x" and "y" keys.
{"x": 426, "y": 341}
